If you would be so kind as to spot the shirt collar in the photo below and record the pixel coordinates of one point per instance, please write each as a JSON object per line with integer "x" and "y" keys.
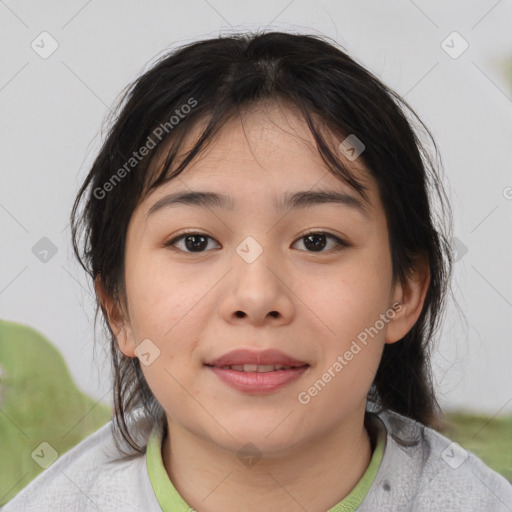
{"x": 171, "y": 501}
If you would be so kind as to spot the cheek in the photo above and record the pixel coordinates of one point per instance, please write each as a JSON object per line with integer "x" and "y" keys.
{"x": 352, "y": 296}
{"x": 352, "y": 347}
{"x": 162, "y": 303}
{"x": 351, "y": 303}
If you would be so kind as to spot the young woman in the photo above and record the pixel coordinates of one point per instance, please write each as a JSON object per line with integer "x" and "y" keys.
{"x": 260, "y": 230}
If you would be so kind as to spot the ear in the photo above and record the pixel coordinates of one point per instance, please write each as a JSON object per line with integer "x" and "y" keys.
{"x": 117, "y": 319}
{"x": 410, "y": 296}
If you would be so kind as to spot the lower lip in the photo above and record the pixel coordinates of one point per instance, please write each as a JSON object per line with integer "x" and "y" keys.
{"x": 258, "y": 382}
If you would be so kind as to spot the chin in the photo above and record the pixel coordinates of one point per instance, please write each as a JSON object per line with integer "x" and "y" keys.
{"x": 262, "y": 434}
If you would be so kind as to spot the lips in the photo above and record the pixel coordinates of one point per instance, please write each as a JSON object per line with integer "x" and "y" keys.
{"x": 256, "y": 372}
{"x": 260, "y": 368}
{"x": 262, "y": 359}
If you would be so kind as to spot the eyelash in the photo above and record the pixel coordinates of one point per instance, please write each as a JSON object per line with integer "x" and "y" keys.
{"x": 341, "y": 244}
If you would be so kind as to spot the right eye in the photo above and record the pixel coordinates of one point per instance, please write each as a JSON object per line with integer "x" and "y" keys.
{"x": 191, "y": 242}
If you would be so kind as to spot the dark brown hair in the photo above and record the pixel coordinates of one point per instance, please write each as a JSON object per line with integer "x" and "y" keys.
{"x": 210, "y": 81}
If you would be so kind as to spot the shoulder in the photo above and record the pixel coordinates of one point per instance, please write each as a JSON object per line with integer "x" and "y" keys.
{"x": 423, "y": 470}
{"x": 94, "y": 475}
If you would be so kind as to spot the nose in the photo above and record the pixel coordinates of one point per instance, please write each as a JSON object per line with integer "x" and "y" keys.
{"x": 258, "y": 289}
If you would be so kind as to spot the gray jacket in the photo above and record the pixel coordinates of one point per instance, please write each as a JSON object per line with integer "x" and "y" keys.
{"x": 421, "y": 471}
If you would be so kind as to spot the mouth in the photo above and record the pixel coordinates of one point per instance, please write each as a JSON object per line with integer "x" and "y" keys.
{"x": 258, "y": 368}
{"x": 257, "y": 372}
{"x": 260, "y": 358}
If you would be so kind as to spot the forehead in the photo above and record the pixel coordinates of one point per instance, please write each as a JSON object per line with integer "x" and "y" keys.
{"x": 264, "y": 151}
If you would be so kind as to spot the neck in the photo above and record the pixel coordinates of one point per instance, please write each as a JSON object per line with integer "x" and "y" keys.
{"x": 313, "y": 476}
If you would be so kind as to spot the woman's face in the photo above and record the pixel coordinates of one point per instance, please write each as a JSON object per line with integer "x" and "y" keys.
{"x": 251, "y": 279}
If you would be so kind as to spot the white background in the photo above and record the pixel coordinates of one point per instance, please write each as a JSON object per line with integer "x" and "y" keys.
{"x": 52, "y": 110}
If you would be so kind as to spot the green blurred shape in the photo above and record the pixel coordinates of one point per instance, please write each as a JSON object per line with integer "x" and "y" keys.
{"x": 39, "y": 402}
{"x": 488, "y": 438}
{"x": 503, "y": 65}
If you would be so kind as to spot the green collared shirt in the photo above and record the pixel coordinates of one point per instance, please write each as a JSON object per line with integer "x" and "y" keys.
{"x": 171, "y": 501}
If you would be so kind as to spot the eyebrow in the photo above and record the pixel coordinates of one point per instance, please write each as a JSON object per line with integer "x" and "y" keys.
{"x": 290, "y": 201}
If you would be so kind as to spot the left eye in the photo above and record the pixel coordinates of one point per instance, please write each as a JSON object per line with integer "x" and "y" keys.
{"x": 314, "y": 242}
{"x": 317, "y": 241}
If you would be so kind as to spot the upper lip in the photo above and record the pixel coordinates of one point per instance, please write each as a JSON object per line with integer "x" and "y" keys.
{"x": 260, "y": 357}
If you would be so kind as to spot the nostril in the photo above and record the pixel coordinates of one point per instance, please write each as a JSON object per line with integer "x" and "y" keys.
{"x": 240, "y": 314}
